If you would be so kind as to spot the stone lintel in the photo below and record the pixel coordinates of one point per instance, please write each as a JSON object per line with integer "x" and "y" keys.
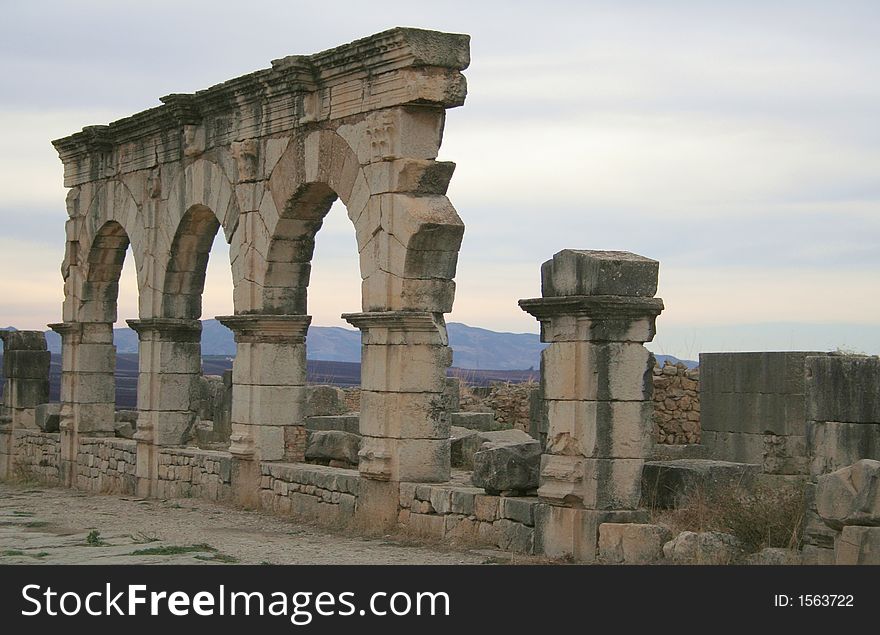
{"x": 255, "y": 328}
{"x": 600, "y": 307}
{"x": 167, "y": 329}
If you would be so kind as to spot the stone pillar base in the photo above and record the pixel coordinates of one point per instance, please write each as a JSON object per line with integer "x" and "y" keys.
{"x": 569, "y": 533}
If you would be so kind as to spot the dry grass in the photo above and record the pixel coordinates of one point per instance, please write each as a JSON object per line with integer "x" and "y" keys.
{"x": 759, "y": 516}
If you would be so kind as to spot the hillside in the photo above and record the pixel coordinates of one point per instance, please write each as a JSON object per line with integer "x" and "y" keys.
{"x": 472, "y": 347}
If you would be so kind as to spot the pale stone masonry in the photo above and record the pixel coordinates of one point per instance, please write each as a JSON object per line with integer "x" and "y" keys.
{"x": 597, "y": 311}
{"x": 263, "y": 157}
{"x": 26, "y": 373}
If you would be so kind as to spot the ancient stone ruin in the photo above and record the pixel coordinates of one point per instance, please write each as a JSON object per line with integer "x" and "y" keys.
{"x": 573, "y": 468}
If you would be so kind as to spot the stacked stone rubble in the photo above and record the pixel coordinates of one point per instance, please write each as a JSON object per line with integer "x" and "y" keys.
{"x": 596, "y": 313}
{"x": 676, "y": 404}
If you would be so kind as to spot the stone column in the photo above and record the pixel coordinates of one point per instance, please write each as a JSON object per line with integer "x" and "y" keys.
{"x": 169, "y": 366}
{"x": 88, "y": 388}
{"x": 26, "y": 369}
{"x": 268, "y": 386}
{"x": 596, "y": 313}
{"x": 404, "y": 424}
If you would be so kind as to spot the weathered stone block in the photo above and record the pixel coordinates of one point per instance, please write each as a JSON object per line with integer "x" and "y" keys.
{"x": 415, "y": 460}
{"x": 776, "y": 556}
{"x": 507, "y": 467}
{"x": 569, "y": 533}
{"x": 709, "y": 547}
{"x": 586, "y": 272}
{"x": 324, "y": 401}
{"x": 463, "y": 501}
{"x": 593, "y": 483}
{"x": 427, "y": 525}
{"x": 833, "y": 445}
{"x": 486, "y": 507}
{"x": 858, "y": 545}
{"x": 47, "y": 416}
{"x": 843, "y": 388}
{"x": 587, "y": 370}
{"x": 850, "y": 496}
{"x": 631, "y": 543}
{"x": 402, "y": 415}
{"x": 515, "y": 536}
{"x": 520, "y": 510}
{"x": 465, "y": 443}
{"x": 599, "y": 429}
{"x": 336, "y": 445}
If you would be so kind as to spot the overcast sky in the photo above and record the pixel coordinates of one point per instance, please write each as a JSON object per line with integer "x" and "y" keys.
{"x": 738, "y": 143}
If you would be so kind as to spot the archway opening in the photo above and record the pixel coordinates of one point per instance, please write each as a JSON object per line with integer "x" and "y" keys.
{"x": 109, "y": 376}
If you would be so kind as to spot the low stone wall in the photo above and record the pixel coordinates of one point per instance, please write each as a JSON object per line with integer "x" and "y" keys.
{"x": 106, "y": 465}
{"x": 676, "y": 404}
{"x": 36, "y": 455}
{"x": 188, "y": 472}
{"x": 468, "y": 514}
{"x": 313, "y": 493}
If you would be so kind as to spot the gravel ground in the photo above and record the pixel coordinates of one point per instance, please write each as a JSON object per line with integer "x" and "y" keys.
{"x": 57, "y": 526}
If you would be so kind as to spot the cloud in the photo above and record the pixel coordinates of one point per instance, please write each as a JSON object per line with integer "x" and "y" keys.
{"x": 737, "y": 143}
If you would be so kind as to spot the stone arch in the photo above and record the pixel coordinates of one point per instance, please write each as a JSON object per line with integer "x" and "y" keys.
{"x": 111, "y": 224}
{"x": 102, "y": 269}
{"x": 188, "y": 262}
{"x": 289, "y": 257}
{"x": 201, "y": 200}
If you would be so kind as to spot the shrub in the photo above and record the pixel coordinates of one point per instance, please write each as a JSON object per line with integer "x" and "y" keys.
{"x": 759, "y": 516}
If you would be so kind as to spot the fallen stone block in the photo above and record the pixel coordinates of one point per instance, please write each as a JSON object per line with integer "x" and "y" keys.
{"x": 666, "y": 483}
{"x": 507, "y": 467}
{"x": 631, "y": 543}
{"x": 124, "y": 429}
{"x": 858, "y": 545}
{"x": 850, "y": 495}
{"x": 466, "y": 442}
{"x": 48, "y": 416}
{"x": 710, "y": 547}
{"x": 333, "y": 445}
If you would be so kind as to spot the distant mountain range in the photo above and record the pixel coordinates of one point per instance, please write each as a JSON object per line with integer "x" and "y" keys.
{"x": 472, "y": 347}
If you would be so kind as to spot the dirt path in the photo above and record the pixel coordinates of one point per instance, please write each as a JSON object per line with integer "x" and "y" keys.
{"x": 53, "y": 526}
